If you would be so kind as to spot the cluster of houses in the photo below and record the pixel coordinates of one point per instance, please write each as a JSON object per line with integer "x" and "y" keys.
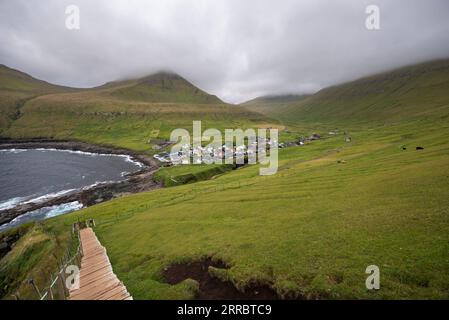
{"x": 200, "y": 153}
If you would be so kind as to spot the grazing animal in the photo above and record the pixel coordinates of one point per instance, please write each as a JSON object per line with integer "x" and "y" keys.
{"x": 419, "y": 148}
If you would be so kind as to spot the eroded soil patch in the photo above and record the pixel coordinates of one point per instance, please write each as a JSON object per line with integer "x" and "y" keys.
{"x": 212, "y": 288}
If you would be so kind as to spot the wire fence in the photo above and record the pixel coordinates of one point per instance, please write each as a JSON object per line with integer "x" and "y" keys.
{"x": 59, "y": 286}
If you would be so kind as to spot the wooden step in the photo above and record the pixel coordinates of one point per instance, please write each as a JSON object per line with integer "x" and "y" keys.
{"x": 97, "y": 279}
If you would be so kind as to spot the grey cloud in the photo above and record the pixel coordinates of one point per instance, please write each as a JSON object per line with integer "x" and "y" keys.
{"x": 234, "y": 49}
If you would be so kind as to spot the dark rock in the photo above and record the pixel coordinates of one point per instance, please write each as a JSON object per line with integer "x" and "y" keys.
{"x": 7, "y": 243}
{"x": 4, "y": 249}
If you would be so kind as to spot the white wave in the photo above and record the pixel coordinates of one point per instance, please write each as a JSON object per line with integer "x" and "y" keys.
{"x": 13, "y": 150}
{"x": 43, "y": 213}
{"x": 63, "y": 208}
{"x": 49, "y": 196}
{"x": 11, "y": 203}
{"x": 97, "y": 183}
{"x": 130, "y": 159}
{"x": 124, "y": 173}
{"x": 126, "y": 157}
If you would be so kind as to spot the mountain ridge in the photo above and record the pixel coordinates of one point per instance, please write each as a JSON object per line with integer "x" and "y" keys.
{"x": 162, "y": 86}
{"x": 276, "y": 98}
{"x": 123, "y": 113}
{"x": 14, "y": 79}
{"x": 399, "y": 93}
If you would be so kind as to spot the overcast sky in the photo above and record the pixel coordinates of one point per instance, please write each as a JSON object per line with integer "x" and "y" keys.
{"x": 236, "y": 49}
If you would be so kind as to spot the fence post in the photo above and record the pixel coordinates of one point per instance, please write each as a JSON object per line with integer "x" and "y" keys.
{"x": 78, "y": 257}
{"x": 51, "y": 294}
{"x": 80, "y": 245}
{"x": 50, "y": 289}
{"x": 60, "y": 279}
{"x": 62, "y": 288}
{"x": 33, "y": 284}
{"x": 16, "y": 296}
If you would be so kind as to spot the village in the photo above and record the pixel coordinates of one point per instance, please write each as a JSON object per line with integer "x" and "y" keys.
{"x": 209, "y": 154}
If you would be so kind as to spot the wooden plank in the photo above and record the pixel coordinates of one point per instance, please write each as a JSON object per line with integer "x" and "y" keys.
{"x": 95, "y": 285}
{"x": 92, "y": 292}
{"x": 97, "y": 279}
{"x": 94, "y": 268}
{"x": 107, "y": 295}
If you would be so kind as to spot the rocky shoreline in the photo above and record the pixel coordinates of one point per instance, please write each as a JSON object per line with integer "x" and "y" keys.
{"x": 139, "y": 181}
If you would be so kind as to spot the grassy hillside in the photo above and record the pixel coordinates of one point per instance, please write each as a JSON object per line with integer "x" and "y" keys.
{"x": 273, "y": 106}
{"x": 15, "y": 89}
{"x": 35, "y": 256}
{"x": 129, "y": 114}
{"x": 414, "y": 92}
{"x": 161, "y": 87}
{"x": 309, "y": 231}
{"x": 273, "y": 99}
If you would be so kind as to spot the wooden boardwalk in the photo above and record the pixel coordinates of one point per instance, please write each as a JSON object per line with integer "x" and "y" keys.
{"x": 97, "y": 279}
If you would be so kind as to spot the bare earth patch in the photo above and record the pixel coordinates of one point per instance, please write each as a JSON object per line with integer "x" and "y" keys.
{"x": 212, "y": 288}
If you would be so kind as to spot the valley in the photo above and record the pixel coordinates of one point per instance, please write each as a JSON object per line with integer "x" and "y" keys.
{"x": 309, "y": 231}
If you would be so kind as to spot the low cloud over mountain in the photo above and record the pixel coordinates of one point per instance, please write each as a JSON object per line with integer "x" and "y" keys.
{"x": 236, "y": 50}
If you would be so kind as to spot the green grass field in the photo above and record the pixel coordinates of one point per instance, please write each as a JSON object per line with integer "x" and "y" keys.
{"x": 310, "y": 231}
{"x": 174, "y": 176}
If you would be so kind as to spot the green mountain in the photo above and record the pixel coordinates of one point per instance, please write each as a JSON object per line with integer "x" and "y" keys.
{"x": 272, "y": 105}
{"x": 15, "y": 80}
{"x": 161, "y": 87}
{"x": 275, "y": 99}
{"x": 414, "y": 91}
{"x": 16, "y": 88}
{"x": 129, "y": 113}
